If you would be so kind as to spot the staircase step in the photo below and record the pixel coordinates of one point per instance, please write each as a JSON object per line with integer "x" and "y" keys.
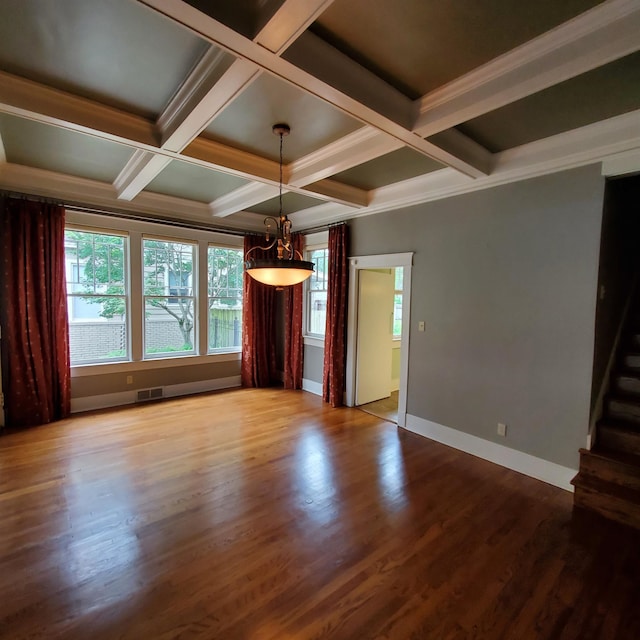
{"x": 622, "y": 407}
{"x": 609, "y": 500}
{"x": 627, "y": 383}
{"x": 631, "y": 360}
{"x": 618, "y": 436}
{"x": 618, "y": 468}
{"x": 634, "y": 341}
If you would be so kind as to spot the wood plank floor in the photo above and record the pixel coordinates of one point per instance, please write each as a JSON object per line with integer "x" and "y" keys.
{"x": 266, "y": 515}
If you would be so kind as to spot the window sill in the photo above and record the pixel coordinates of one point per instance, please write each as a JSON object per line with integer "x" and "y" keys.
{"x": 81, "y": 371}
{"x": 310, "y": 341}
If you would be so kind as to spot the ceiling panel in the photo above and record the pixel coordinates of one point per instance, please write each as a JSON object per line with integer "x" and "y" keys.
{"x": 45, "y": 147}
{"x": 418, "y": 45}
{"x": 240, "y": 15}
{"x": 605, "y": 92}
{"x": 248, "y": 121}
{"x": 388, "y": 169}
{"x": 291, "y": 203}
{"x": 185, "y": 180}
{"x": 118, "y": 52}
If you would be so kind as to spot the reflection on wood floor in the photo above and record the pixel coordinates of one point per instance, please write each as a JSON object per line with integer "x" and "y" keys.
{"x": 387, "y": 408}
{"x": 264, "y": 514}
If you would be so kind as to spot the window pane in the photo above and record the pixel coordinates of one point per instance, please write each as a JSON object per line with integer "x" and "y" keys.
{"x": 168, "y": 325}
{"x": 95, "y": 265}
{"x": 168, "y": 268}
{"x": 225, "y": 272}
{"x": 399, "y": 272}
{"x": 225, "y": 324}
{"x": 317, "y": 312}
{"x": 397, "y": 315}
{"x": 316, "y": 292}
{"x": 169, "y": 297}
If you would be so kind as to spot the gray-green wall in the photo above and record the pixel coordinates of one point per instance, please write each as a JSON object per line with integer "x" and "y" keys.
{"x": 505, "y": 280}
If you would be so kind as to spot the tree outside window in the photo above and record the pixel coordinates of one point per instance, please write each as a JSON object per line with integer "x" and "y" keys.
{"x": 224, "y": 273}
{"x": 316, "y": 292}
{"x": 169, "y": 299}
{"x": 97, "y": 296}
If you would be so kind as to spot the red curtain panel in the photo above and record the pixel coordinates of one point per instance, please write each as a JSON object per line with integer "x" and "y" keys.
{"x": 335, "y": 340}
{"x": 35, "y": 336}
{"x": 258, "y": 367}
{"x": 293, "y": 344}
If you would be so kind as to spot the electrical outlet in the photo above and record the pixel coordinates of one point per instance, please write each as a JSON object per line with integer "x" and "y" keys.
{"x": 129, "y": 379}
{"x": 421, "y": 325}
{"x": 502, "y": 429}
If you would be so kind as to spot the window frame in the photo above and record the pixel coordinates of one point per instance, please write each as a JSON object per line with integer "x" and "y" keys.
{"x": 232, "y": 349}
{"x": 194, "y": 297}
{"x": 125, "y": 297}
{"x": 314, "y": 242}
{"x": 135, "y": 230}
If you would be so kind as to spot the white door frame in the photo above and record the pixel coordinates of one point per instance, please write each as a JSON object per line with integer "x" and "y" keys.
{"x": 386, "y": 261}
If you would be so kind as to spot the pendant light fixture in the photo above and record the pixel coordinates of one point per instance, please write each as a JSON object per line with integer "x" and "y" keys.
{"x": 289, "y": 267}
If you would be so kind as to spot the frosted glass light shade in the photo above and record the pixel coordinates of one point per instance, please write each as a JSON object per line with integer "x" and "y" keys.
{"x": 279, "y": 273}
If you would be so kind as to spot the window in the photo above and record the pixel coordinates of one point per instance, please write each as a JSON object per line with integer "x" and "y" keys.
{"x": 224, "y": 275}
{"x": 97, "y": 296}
{"x": 169, "y": 301}
{"x": 316, "y": 293}
{"x": 397, "y": 303}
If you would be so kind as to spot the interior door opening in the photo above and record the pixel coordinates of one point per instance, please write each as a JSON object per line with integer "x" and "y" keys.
{"x": 378, "y": 335}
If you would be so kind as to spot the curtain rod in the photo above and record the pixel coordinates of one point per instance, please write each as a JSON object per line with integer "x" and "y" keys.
{"x": 122, "y": 214}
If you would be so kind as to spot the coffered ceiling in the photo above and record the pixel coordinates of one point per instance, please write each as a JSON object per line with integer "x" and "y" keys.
{"x": 165, "y": 107}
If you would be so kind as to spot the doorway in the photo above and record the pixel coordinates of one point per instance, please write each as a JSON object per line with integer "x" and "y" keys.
{"x": 372, "y": 321}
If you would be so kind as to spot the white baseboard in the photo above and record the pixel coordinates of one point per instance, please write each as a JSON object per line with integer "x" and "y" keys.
{"x": 538, "y": 468}
{"x": 311, "y": 386}
{"x": 106, "y": 400}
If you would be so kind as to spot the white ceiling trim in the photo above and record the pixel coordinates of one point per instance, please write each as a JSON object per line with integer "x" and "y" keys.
{"x": 33, "y": 101}
{"x": 142, "y": 168}
{"x": 94, "y": 193}
{"x": 244, "y": 197}
{"x": 360, "y": 81}
{"x": 622, "y": 164}
{"x": 214, "y": 83}
{"x": 360, "y": 146}
{"x": 585, "y": 145}
{"x": 603, "y": 34}
{"x": 287, "y": 24}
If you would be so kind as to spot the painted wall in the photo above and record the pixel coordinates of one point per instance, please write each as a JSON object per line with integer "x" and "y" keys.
{"x": 505, "y": 280}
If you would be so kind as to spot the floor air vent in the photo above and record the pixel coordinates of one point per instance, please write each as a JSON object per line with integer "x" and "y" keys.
{"x": 149, "y": 394}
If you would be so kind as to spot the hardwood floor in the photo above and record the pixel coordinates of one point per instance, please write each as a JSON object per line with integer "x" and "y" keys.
{"x": 264, "y": 514}
{"x": 387, "y": 408}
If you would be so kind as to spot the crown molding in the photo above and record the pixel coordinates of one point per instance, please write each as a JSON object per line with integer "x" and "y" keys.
{"x": 340, "y": 193}
{"x": 352, "y": 92}
{"x": 142, "y": 167}
{"x": 93, "y": 193}
{"x": 211, "y": 66}
{"x": 242, "y": 198}
{"x": 600, "y": 35}
{"x": 615, "y": 137}
{"x": 622, "y": 164}
{"x": 289, "y": 21}
{"x": 362, "y": 145}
